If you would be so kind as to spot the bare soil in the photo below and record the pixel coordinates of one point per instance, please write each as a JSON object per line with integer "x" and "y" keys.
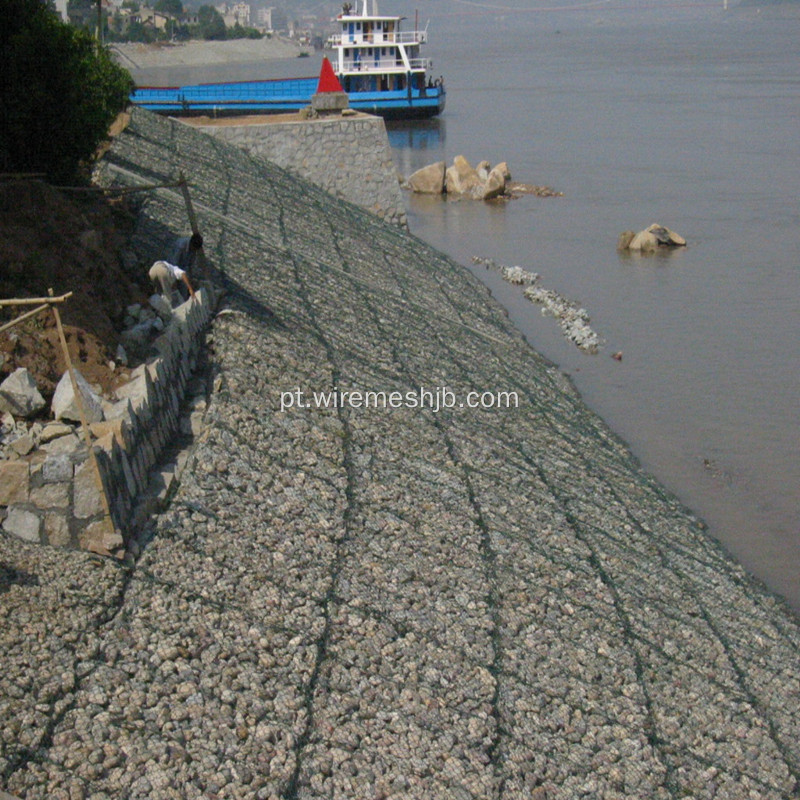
{"x": 70, "y": 242}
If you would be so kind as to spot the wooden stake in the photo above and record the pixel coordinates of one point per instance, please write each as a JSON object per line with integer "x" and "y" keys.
{"x": 201, "y": 256}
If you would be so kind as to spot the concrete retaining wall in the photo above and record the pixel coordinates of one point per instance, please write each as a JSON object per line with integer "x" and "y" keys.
{"x": 348, "y": 156}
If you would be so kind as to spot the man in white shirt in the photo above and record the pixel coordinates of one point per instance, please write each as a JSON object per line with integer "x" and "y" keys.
{"x": 166, "y": 275}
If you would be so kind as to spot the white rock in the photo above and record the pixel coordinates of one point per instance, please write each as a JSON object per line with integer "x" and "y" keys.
{"x": 462, "y": 177}
{"x": 65, "y": 406}
{"x": 428, "y": 180}
{"x": 644, "y": 242}
{"x": 161, "y": 306}
{"x": 19, "y": 395}
{"x": 23, "y": 524}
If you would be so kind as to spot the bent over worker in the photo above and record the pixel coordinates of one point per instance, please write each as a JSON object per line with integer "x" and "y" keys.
{"x": 166, "y": 275}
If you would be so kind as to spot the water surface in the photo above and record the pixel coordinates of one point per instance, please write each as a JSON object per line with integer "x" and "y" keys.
{"x": 683, "y": 114}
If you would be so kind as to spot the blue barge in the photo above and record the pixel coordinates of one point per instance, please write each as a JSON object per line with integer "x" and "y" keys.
{"x": 377, "y": 64}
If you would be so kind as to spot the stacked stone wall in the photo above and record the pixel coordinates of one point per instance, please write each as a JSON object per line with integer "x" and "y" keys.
{"x": 348, "y": 156}
{"x": 51, "y": 495}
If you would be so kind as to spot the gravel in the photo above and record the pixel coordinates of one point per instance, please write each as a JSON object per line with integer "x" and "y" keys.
{"x": 386, "y": 603}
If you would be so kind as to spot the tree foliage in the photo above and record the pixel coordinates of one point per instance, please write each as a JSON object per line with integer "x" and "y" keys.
{"x": 241, "y": 32}
{"x": 59, "y": 92}
{"x": 211, "y": 24}
{"x": 174, "y": 7}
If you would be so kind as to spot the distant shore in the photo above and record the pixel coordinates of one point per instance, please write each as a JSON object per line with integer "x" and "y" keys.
{"x": 195, "y": 53}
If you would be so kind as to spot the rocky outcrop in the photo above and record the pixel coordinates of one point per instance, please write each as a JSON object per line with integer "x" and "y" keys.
{"x": 461, "y": 179}
{"x": 650, "y": 239}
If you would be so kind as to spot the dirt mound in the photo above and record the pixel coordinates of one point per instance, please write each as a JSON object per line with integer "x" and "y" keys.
{"x": 70, "y": 242}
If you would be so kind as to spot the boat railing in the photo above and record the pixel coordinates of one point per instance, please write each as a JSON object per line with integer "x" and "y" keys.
{"x": 367, "y": 64}
{"x": 377, "y": 37}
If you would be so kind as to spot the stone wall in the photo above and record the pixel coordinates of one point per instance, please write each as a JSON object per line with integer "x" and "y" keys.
{"x": 348, "y": 156}
{"x": 51, "y": 495}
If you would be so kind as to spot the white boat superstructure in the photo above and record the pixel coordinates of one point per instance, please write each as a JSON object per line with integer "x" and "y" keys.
{"x": 374, "y": 54}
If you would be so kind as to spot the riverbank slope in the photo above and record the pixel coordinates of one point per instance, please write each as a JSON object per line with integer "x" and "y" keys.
{"x": 361, "y": 602}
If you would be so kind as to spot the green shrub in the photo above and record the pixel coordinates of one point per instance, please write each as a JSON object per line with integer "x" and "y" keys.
{"x": 59, "y": 92}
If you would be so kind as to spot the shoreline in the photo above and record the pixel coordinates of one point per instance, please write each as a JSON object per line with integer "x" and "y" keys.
{"x": 366, "y": 603}
{"x": 197, "y": 53}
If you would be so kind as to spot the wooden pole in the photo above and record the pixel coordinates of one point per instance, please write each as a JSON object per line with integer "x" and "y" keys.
{"x": 31, "y": 301}
{"x": 23, "y": 317}
{"x": 201, "y": 256}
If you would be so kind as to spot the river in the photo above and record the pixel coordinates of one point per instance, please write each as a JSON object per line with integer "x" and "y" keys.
{"x": 684, "y": 114}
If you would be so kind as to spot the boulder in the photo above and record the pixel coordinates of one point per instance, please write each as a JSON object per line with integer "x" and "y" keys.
{"x": 624, "y": 240}
{"x": 161, "y": 306}
{"x": 19, "y": 395}
{"x": 666, "y": 237}
{"x": 502, "y": 168}
{"x": 461, "y": 178}
{"x": 481, "y": 183}
{"x": 650, "y": 239}
{"x": 428, "y": 180}
{"x": 493, "y": 186}
{"x": 65, "y": 405}
{"x": 643, "y": 242}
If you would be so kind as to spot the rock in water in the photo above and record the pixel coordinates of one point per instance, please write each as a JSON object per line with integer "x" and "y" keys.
{"x": 650, "y": 239}
{"x": 493, "y": 186}
{"x": 462, "y": 177}
{"x": 428, "y": 180}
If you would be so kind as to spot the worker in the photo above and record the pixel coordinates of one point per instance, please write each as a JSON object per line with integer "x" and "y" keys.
{"x": 185, "y": 252}
{"x": 166, "y": 276}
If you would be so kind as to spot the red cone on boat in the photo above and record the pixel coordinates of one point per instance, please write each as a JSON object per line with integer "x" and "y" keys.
{"x": 328, "y": 82}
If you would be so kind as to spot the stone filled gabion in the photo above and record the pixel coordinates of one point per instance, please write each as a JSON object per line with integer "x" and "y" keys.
{"x": 369, "y": 602}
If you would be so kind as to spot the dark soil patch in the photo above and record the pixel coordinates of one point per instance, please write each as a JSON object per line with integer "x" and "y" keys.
{"x": 70, "y": 242}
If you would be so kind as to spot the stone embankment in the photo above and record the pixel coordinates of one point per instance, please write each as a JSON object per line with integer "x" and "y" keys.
{"x": 352, "y": 602}
{"x": 348, "y": 156}
{"x": 53, "y": 493}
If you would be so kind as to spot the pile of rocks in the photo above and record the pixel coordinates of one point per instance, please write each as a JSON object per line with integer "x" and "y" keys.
{"x": 142, "y": 326}
{"x": 572, "y": 318}
{"x": 49, "y": 492}
{"x": 483, "y": 182}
